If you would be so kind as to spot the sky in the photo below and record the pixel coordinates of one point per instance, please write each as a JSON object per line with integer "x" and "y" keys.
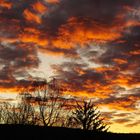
{"x": 92, "y": 46}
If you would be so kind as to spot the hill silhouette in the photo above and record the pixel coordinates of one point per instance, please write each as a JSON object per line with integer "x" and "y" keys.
{"x": 49, "y": 133}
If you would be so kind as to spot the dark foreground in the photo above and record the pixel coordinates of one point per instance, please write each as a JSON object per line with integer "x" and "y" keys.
{"x": 13, "y": 132}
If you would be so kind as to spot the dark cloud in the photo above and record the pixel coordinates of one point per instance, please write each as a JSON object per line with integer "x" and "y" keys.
{"x": 98, "y": 10}
{"x": 122, "y": 114}
{"x": 124, "y": 48}
{"x": 122, "y": 121}
{"x": 109, "y": 115}
{"x": 77, "y": 78}
{"x": 126, "y": 102}
{"x": 3, "y": 100}
{"x": 133, "y": 124}
{"x": 16, "y": 9}
{"x": 15, "y": 60}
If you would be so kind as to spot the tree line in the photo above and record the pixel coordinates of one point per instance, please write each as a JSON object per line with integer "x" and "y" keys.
{"x": 43, "y": 104}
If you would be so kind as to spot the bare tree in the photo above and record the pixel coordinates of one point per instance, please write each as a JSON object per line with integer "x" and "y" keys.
{"x": 87, "y": 117}
{"x": 48, "y": 102}
{"x": 25, "y": 113}
{"x": 21, "y": 113}
{"x": 4, "y": 113}
{"x": 50, "y": 105}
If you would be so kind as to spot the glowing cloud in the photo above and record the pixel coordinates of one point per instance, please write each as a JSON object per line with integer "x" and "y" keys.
{"x": 5, "y": 4}
{"x": 31, "y": 16}
{"x": 39, "y": 7}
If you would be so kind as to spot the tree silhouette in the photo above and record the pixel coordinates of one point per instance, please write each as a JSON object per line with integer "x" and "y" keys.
{"x": 87, "y": 117}
{"x": 21, "y": 113}
{"x": 45, "y": 105}
{"x": 48, "y": 102}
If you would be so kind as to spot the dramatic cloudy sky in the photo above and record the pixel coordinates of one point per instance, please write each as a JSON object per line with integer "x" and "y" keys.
{"x": 92, "y": 46}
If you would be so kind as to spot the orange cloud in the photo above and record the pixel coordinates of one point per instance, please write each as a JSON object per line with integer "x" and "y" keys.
{"x": 27, "y": 38}
{"x": 103, "y": 91}
{"x": 77, "y": 32}
{"x": 122, "y": 80}
{"x": 104, "y": 69}
{"x": 80, "y": 71}
{"x": 122, "y": 121}
{"x": 130, "y": 23}
{"x": 8, "y": 40}
{"x": 32, "y": 31}
{"x": 51, "y": 53}
{"x": 39, "y": 7}
{"x": 100, "y": 91}
{"x": 135, "y": 52}
{"x": 126, "y": 103}
{"x": 9, "y": 90}
{"x": 85, "y": 94}
{"x": 90, "y": 90}
{"x": 31, "y": 16}
{"x": 5, "y": 4}
{"x": 120, "y": 105}
{"x": 116, "y": 76}
{"x": 52, "y": 1}
{"x": 31, "y": 35}
{"x": 120, "y": 61}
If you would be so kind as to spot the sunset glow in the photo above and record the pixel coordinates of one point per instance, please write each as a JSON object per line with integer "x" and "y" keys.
{"x": 91, "y": 46}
